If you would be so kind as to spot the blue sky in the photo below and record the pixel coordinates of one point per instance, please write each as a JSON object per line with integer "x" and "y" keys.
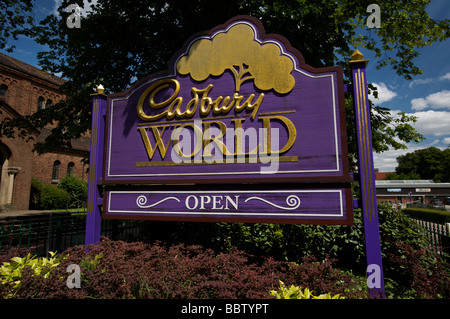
{"x": 427, "y": 96}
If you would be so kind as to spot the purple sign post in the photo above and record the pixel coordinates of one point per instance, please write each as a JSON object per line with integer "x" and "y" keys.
{"x": 93, "y": 214}
{"x": 367, "y": 175}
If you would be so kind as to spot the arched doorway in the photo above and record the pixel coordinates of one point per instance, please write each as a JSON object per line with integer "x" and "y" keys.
{"x": 2, "y": 161}
{"x": 7, "y": 176}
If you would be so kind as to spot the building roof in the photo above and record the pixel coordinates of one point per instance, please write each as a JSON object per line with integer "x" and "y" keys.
{"x": 21, "y": 66}
{"x": 410, "y": 183}
{"x": 82, "y": 143}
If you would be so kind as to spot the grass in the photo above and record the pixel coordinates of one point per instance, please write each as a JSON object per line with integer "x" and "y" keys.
{"x": 71, "y": 210}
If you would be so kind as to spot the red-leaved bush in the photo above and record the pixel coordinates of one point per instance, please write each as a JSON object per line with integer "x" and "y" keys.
{"x": 116, "y": 269}
{"x": 424, "y": 271}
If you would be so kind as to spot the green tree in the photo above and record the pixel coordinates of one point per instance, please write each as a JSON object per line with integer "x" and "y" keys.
{"x": 429, "y": 163}
{"x": 121, "y": 41}
{"x": 16, "y": 18}
{"x": 76, "y": 189}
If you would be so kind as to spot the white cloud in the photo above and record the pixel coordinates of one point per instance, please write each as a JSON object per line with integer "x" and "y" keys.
{"x": 445, "y": 77}
{"x": 387, "y": 161}
{"x": 434, "y": 125}
{"x": 438, "y": 100}
{"x": 384, "y": 94}
{"x": 419, "y": 104}
{"x": 435, "y": 142}
{"x": 420, "y": 81}
{"x": 56, "y": 5}
{"x": 429, "y": 80}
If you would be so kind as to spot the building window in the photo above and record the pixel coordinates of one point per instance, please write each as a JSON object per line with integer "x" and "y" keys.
{"x": 48, "y": 103}
{"x": 3, "y": 89}
{"x": 40, "y": 103}
{"x": 55, "y": 173}
{"x": 70, "y": 168}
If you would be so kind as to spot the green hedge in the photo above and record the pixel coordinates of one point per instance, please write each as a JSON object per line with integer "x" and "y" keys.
{"x": 440, "y": 216}
{"x": 47, "y": 196}
{"x": 53, "y": 197}
{"x": 293, "y": 242}
{"x": 76, "y": 188}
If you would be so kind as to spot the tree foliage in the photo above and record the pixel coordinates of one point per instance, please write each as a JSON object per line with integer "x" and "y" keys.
{"x": 122, "y": 41}
{"x": 429, "y": 163}
{"x": 16, "y": 18}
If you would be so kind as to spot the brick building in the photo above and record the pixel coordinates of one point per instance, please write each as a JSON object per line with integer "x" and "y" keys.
{"x": 408, "y": 191}
{"x": 24, "y": 90}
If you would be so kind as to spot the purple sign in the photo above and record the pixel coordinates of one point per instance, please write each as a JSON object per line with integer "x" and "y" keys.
{"x": 237, "y": 105}
{"x": 236, "y": 205}
{"x": 245, "y": 131}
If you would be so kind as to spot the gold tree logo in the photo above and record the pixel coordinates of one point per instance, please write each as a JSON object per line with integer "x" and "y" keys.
{"x": 238, "y": 51}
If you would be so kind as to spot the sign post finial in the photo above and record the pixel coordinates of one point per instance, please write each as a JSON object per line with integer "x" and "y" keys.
{"x": 357, "y": 57}
{"x": 100, "y": 89}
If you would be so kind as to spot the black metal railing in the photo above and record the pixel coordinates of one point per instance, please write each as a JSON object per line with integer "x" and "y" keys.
{"x": 58, "y": 231}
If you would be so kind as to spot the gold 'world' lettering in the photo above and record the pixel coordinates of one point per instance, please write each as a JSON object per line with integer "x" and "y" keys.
{"x": 173, "y": 107}
{"x": 205, "y": 141}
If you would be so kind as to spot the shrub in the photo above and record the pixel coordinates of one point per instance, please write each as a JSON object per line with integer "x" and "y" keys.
{"x": 322, "y": 277}
{"x": 11, "y": 272}
{"x": 76, "y": 188}
{"x": 345, "y": 244}
{"x": 295, "y": 292}
{"x": 70, "y": 192}
{"x": 53, "y": 197}
{"x": 440, "y": 216}
{"x": 425, "y": 274}
{"x": 116, "y": 269}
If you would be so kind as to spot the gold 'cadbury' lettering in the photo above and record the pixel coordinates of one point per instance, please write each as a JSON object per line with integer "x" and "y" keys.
{"x": 173, "y": 106}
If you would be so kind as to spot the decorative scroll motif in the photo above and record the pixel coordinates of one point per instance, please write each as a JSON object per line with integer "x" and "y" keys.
{"x": 292, "y": 201}
{"x": 142, "y": 200}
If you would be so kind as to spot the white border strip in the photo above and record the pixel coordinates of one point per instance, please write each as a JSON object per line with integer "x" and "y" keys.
{"x": 126, "y": 212}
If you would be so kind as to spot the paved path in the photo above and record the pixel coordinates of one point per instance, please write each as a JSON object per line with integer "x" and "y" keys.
{"x": 13, "y": 214}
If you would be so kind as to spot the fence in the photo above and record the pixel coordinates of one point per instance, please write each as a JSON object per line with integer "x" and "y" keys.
{"x": 58, "y": 231}
{"x": 438, "y": 233}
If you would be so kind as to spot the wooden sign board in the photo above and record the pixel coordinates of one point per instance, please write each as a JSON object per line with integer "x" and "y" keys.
{"x": 236, "y": 107}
